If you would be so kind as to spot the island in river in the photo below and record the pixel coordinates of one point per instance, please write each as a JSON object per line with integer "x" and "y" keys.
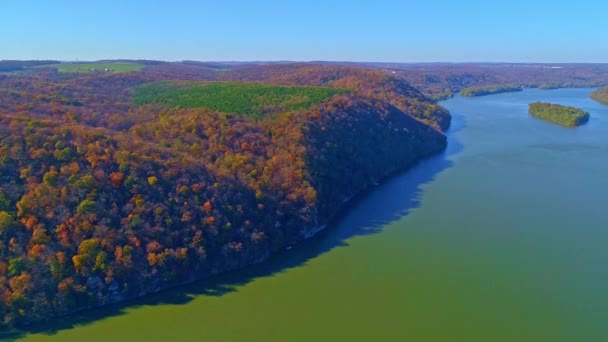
{"x": 488, "y": 90}
{"x": 563, "y": 115}
{"x": 546, "y": 86}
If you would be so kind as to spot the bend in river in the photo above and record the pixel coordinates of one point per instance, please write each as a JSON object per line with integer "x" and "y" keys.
{"x": 502, "y": 238}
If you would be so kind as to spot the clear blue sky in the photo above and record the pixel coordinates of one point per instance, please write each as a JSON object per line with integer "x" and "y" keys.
{"x": 380, "y": 30}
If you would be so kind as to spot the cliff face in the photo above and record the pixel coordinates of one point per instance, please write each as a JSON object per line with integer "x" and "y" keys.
{"x": 366, "y": 142}
{"x": 97, "y": 207}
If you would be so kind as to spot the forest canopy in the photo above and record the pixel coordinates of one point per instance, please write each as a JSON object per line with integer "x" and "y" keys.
{"x": 563, "y": 115}
{"x": 114, "y": 185}
{"x": 488, "y": 90}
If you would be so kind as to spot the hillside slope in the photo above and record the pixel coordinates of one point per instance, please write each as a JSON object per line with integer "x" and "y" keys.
{"x": 102, "y": 199}
{"x": 366, "y": 83}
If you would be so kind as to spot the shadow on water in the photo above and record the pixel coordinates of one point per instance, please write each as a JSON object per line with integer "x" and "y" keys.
{"x": 366, "y": 214}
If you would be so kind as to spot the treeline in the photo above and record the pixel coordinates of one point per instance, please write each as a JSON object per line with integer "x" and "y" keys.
{"x": 9, "y": 65}
{"x": 489, "y": 90}
{"x": 102, "y": 199}
{"x": 563, "y": 115}
{"x": 546, "y": 86}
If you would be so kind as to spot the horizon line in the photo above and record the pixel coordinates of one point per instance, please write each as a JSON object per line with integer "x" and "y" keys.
{"x": 295, "y": 61}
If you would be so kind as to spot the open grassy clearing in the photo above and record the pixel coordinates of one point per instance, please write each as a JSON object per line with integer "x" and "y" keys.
{"x": 233, "y": 97}
{"x": 95, "y": 67}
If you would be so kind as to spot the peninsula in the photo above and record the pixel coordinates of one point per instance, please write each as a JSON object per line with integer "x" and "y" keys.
{"x": 600, "y": 95}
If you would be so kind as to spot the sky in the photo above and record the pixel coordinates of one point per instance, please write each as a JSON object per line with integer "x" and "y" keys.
{"x": 340, "y": 30}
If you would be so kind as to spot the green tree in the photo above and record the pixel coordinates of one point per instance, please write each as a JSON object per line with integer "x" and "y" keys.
{"x": 6, "y": 221}
{"x": 86, "y": 206}
{"x": 51, "y": 177}
{"x": 16, "y": 266}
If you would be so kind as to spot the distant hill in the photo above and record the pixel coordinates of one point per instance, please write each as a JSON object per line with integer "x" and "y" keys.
{"x": 367, "y": 83}
{"x": 442, "y": 80}
{"x": 8, "y": 66}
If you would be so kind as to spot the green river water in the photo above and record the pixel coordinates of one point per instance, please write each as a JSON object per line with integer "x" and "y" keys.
{"x": 504, "y": 237}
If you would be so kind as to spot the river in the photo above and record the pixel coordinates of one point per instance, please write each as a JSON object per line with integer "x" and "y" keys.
{"x": 504, "y": 237}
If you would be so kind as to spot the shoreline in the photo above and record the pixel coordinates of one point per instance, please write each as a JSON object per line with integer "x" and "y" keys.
{"x": 305, "y": 234}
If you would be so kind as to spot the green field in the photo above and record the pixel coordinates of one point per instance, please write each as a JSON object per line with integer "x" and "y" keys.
{"x": 97, "y": 66}
{"x": 563, "y": 115}
{"x": 233, "y": 97}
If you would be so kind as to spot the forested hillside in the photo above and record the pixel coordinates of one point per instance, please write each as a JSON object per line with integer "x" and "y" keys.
{"x": 111, "y": 187}
{"x": 366, "y": 83}
{"x": 442, "y": 80}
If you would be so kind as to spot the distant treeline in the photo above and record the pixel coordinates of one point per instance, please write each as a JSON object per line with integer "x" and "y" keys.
{"x": 546, "y": 86}
{"x": 563, "y": 115}
{"x": 489, "y": 90}
{"x": 440, "y": 81}
{"x": 7, "y": 66}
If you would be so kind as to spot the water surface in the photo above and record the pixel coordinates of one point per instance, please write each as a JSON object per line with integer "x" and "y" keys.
{"x": 502, "y": 238}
